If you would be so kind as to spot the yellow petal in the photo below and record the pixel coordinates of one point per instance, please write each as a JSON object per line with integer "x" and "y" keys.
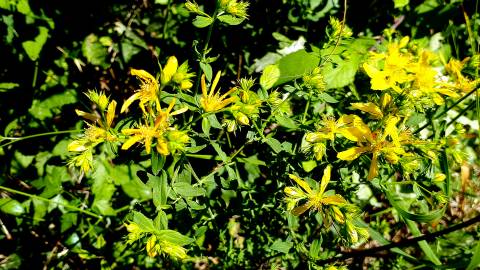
{"x": 370, "y": 70}
{"x": 370, "y": 108}
{"x": 338, "y": 215}
{"x": 391, "y": 129}
{"x": 352, "y": 153}
{"x": 373, "y": 171}
{"x": 111, "y": 113}
{"x": 185, "y": 85}
{"x": 404, "y": 41}
{"x": 90, "y": 116}
{"x": 325, "y": 179}
{"x": 142, "y": 74}
{"x": 150, "y": 247}
{"x": 129, "y": 101}
{"x": 385, "y": 100}
{"x": 204, "y": 87}
{"x": 179, "y": 111}
{"x": 334, "y": 200}
{"x": 131, "y": 141}
{"x": 215, "y": 82}
{"x": 162, "y": 147}
{"x": 297, "y": 211}
{"x": 301, "y": 183}
{"x": 169, "y": 69}
{"x": 294, "y": 192}
{"x": 76, "y": 146}
{"x": 357, "y": 134}
{"x": 380, "y": 81}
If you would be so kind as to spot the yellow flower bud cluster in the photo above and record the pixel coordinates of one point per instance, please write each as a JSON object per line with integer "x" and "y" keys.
{"x": 235, "y": 8}
{"x": 99, "y": 130}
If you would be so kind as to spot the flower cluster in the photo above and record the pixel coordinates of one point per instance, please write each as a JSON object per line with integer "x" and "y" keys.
{"x": 99, "y": 129}
{"x": 154, "y": 129}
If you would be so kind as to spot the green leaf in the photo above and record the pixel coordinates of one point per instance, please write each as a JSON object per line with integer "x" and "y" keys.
{"x": 344, "y": 62}
{"x": 327, "y": 98}
{"x": 281, "y": 246}
{"x": 315, "y": 248}
{"x": 475, "y": 261}
{"x": 429, "y": 253}
{"x": 202, "y": 21}
{"x": 431, "y": 216}
{"x": 160, "y": 189}
{"x": 207, "y": 69}
{"x": 230, "y": 20}
{"x": 174, "y": 237}
{"x": 187, "y": 190}
{"x": 194, "y": 205}
{"x": 206, "y": 126}
{"x": 95, "y": 51}
{"x": 220, "y": 152}
{"x": 67, "y": 221}
{"x": 40, "y": 210}
{"x": 295, "y": 65}
{"x": 274, "y": 144}
{"x": 157, "y": 162}
{"x": 33, "y": 47}
{"x": 145, "y": 224}
{"x": 24, "y": 7}
{"x": 51, "y": 106}
{"x": 11, "y": 206}
{"x": 401, "y": 3}
{"x": 309, "y": 165}
{"x": 212, "y": 118}
{"x": 161, "y": 221}
{"x": 6, "y": 86}
{"x": 286, "y": 121}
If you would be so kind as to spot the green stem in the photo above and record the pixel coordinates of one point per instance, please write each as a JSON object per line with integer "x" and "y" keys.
{"x": 307, "y": 106}
{"x": 35, "y": 75}
{"x": 17, "y": 139}
{"x": 49, "y": 201}
{"x": 446, "y": 110}
{"x": 228, "y": 160}
{"x": 469, "y": 107}
{"x": 260, "y": 132}
{"x": 167, "y": 17}
{"x": 205, "y": 47}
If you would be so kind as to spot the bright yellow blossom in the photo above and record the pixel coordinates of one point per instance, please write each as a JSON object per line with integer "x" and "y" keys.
{"x": 394, "y": 70}
{"x": 375, "y": 143}
{"x": 316, "y": 199}
{"x": 211, "y": 101}
{"x": 148, "y": 92}
{"x": 147, "y": 134}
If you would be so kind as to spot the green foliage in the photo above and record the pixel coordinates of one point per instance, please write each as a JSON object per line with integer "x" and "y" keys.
{"x": 235, "y": 134}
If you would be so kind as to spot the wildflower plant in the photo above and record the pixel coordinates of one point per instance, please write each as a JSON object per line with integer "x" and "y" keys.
{"x": 335, "y": 145}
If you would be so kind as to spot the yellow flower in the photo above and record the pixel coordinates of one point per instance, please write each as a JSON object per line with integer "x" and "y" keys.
{"x": 331, "y": 127}
{"x": 147, "y": 133}
{"x": 211, "y": 101}
{"x": 169, "y": 69}
{"x": 369, "y": 108}
{"x": 375, "y": 143}
{"x": 148, "y": 92}
{"x": 316, "y": 199}
{"x": 394, "y": 70}
{"x": 425, "y": 81}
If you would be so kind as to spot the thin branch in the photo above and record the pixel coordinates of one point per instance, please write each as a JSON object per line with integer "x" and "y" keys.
{"x": 409, "y": 242}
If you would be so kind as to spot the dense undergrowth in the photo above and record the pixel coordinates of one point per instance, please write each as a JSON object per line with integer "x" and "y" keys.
{"x": 302, "y": 134}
